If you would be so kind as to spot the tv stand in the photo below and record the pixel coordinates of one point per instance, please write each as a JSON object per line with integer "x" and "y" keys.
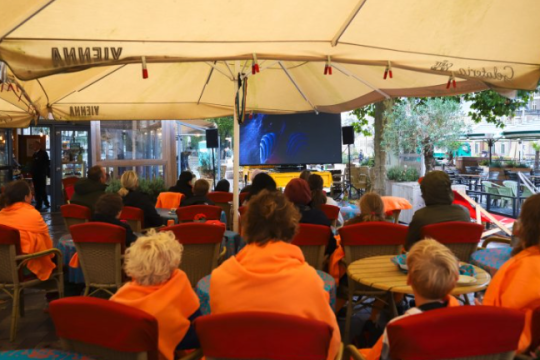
{"x": 289, "y": 168}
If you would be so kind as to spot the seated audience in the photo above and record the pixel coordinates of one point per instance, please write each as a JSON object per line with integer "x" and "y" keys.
{"x": 297, "y": 191}
{"x": 516, "y": 284}
{"x": 160, "y": 289}
{"x": 108, "y": 209}
{"x": 433, "y": 274}
{"x": 270, "y": 274}
{"x": 371, "y": 209}
{"x": 88, "y": 190}
{"x": 223, "y": 185}
{"x": 319, "y": 197}
{"x": 438, "y": 196}
{"x": 184, "y": 184}
{"x": 17, "y": 212}
{"x": 262, "y": 181}
{"x": 305, "y": 174}
{"x": 131, "y": 196}
{"x": 200, "y": 190}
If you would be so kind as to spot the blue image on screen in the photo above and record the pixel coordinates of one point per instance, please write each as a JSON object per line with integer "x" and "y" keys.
{"x": 290, "y": 139}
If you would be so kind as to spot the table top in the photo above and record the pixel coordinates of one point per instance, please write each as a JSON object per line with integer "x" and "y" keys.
{"x": 380, "y": 273}
{"x": 165, "y": 213}
{"x": 471, "y": 175}
{"x": 43, "y": 354}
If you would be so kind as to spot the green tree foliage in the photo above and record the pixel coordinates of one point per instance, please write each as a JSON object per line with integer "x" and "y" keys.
{"x": 423, "y": 124}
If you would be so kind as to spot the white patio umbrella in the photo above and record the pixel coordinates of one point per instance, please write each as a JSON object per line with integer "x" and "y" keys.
{"x": 100, "y": 60}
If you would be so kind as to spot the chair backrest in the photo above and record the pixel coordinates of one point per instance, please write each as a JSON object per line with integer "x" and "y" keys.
{"x": 461, "y": 237}
{"x": 105, "y": 329}
{"x": 223, "y": 200}
{"x": 312, "y": 240}
{"x": 75, "y": 214}
{"x": 493, "y": 175}
{"x": 134, "y": 217}
{"x": 10, "y": 247}
{"x": 535, "y": 330}
{"x": 511, "y": 185}
{"x": 69, "y": 187}
{"x": 261, "y": 335}
{"x": 169, "y": 200}
{"x": 331, "y": 212}
{"x": 100, "y": 247}
{"x": 241, "y": 211}
{"x": 187, "y": 213}
{"x": 463, "y": 332}
{"x": 201, "y": 248}
{"x": 243, "y": 197}
{"x": 372, "y": 239}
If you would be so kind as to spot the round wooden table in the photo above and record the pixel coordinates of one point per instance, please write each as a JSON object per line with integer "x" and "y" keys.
{"x": 380, "y": 273}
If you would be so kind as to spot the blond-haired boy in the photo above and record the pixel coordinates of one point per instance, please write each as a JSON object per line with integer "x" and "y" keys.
{"x": 433, "y": 273}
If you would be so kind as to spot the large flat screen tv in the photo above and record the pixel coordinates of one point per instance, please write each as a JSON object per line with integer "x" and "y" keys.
{"x": 290, "y": 139}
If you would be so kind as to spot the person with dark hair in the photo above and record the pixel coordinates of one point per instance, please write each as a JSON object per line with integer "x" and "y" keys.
{"x": 516, "y": 284}
{"x": 223, "y": 185}
{"x": 108, "y": 209}
{"x": 437, "y": 193}
{"x": 40, "y": 171}
{"x": 305, "y": 174}
{"x": 200, "y": 190}
{"x": 88, "y": 190}
{"x": 184, "y": 184}
{"x": 262, "y": 181}
{"x": 18, "y": 213}
{"x": 269, "y": 273}
{"x": 371, "y": 209}
{"x": 319, "y": 197}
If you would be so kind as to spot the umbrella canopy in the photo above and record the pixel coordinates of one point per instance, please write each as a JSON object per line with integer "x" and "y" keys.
{"x": 194, "y": 50}
{"x": 16, "y": 109}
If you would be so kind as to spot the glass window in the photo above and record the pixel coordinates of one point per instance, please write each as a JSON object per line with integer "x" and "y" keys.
{"x": 147, "y": 172}
{"x": 131, "y": 140}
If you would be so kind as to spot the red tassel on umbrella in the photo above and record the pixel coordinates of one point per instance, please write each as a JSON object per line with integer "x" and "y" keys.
{"x": 144, "y": 69}
{"x": 451, "y": 80}
{"x": 255, "y": 65}
{"x": 388, "y": 71}
{"x": 328, "y": 67}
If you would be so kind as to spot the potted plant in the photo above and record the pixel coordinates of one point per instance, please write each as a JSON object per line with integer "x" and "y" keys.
{"x": 403, "y": 182}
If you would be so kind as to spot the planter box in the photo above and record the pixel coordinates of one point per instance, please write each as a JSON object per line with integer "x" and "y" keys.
{"x": 411, "y": 192}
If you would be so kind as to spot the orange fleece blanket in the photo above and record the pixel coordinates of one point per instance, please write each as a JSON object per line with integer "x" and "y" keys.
{"x": 272, "y": 278}
{"x": 517, "y": 285}
{"x": 169, "y": 200}
{"x": 171, "y": 303}
{"x": 374, "y": 353}
{"x": 34, "y": 236}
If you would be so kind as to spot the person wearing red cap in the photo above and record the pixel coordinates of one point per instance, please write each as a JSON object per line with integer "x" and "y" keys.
{"x": 299, "y": 193}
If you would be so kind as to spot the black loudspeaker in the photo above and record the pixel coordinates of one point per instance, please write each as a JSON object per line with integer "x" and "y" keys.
{"x": 212, "y": 139}
{"x": 348, "y": 135}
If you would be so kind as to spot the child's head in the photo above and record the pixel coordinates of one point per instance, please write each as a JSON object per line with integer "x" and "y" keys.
{"x": 433, "y": 269}
{"x": 110, "y": 205}
{"x": 371, "y": 207}
{"x": 201, "y": 187}
{"x": 152, "y": 259}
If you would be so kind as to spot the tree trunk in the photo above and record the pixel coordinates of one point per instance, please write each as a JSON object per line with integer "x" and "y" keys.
{"x": 379, "y": 170}
{"x": 429, "y": 159}
{"x": 536, "y": 160}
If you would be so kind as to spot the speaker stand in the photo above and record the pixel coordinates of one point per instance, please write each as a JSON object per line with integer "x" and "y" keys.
{"x": 214, "y": 166}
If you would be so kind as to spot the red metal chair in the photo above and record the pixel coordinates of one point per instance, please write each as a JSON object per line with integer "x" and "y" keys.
{"x": 535, "y": 330}
{"x": 241, "y": 211}
{"x": 187, "y": 213}
{"x": 75, "y": 214}
{"x": 69, "y": 187}
{"x": 461, "y": 237}
{"x": 261, "y": 335}
{"x": 365, "y": 240}
{"x": 224, "y": 201}
{"x": 134, "y": 217}
{"x": 312, "y": 239}
{"x": 12, "y": 279}
{"x": 201, "y": 248}
{"x": 331, "y": 212}
{"x": 100, "y": 247}
{"x": 463, "y": 332}
{"x": 243, "y": 197}
{"x": 105, "y": 329}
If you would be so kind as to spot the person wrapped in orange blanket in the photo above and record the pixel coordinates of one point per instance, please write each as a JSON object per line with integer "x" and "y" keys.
{"x": 516, "y": 284}
{"x": 270, "y": 274}
{"x": 18, "y": 213}
{"x": 159, "y": 288}
{"x": 433, "y": 274}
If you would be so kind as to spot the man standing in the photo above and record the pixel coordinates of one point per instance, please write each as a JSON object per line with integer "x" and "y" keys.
{"x": 40, "y": 171}
{"x": 87, "y": 191}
